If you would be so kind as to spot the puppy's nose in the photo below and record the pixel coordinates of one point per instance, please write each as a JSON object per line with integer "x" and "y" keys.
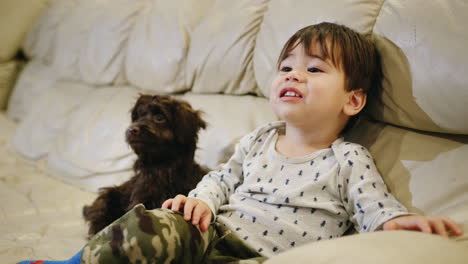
{"x": 133, "y": 130}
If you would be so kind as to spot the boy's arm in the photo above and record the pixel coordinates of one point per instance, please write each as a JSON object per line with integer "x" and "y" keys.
{"x": 203, "y": 202}
{"x": 372, "y": 207}
{"x": 216, "y": 187}
{"x": 365, "y": 195}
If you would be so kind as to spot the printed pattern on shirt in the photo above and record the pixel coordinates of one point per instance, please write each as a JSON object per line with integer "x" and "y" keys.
{"x": 275, "y": 203}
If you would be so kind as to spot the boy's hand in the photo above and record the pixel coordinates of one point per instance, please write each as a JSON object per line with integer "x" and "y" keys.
{"x": 194, "y": 209}
{"x": 428, "y": 224}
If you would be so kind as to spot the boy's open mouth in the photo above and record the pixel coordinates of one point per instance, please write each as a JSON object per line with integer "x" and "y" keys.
{"x": 290, "y": 92}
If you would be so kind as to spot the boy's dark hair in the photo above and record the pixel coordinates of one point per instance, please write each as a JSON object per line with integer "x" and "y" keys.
{"x": 354, "y": 53}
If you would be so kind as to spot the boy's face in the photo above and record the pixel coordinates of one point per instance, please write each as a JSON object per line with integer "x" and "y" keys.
{"x": 308, "y": 89}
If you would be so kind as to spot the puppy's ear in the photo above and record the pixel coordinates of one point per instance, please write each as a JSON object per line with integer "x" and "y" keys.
{"x": 200, "y": 123}
{"x": 188, "y": 123}
{"x": 193, "y": 117}
{"x": 196, "y": 118}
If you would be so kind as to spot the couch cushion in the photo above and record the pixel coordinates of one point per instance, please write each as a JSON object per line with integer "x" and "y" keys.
{"x": 40, "y": 39}
{"x": 426, "y": 87}
{"x": 93, "y": 138}
{"x": 90, "y": 151}
{"x": 426, "y": 172}
{"x": 9, "y": 72}
{"x": 402, "y": 247}
{"x": 89, "y": 41}
{"x": 37, "y": 132}
{"x": 158, "y": 43}
{"x": 220, "y": 58}
{"x": 16, "y": 17}
{"x": 118, "y": 41}
{"x": 34, "y": 79}
{"x": 41, "y": 217}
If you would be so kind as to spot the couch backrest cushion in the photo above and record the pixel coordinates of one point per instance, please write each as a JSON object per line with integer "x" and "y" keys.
{"x": 220, "y": 57}
{"x": 425, "y": 171}
{"x": 33, "y": 81}
{"x": 9, "y": 72}
{"x": 84, "y": 40}
{"x": 431, "y": 93}
{"x": 17, "y": 16}
{"x": 159, "y": 41}
{"x": 143, "y": 43}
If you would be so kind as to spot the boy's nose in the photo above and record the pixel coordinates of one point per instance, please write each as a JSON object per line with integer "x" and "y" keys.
{"x": 294, "y": 76}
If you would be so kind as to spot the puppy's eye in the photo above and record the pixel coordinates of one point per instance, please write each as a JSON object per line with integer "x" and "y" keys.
{"x": 159, "y": 117}
{"x": 134, "y": 116}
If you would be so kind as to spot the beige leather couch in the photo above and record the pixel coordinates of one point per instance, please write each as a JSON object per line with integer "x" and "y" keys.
{"x": 88, "y": 60}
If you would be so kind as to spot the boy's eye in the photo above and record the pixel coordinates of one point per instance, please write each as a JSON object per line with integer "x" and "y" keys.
{"x": 285, "y": 69}
{"x": 314, "y": 69}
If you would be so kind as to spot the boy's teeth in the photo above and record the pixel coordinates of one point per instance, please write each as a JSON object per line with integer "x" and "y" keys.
{"x": 291, "y": 93}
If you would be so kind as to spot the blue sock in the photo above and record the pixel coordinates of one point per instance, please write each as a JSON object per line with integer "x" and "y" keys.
{"x": 73, "y": 260}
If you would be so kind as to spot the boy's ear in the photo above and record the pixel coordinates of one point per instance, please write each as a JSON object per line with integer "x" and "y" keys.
{"x": 355, "y": 102}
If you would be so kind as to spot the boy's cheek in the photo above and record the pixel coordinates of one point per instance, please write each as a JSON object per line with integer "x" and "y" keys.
{"x": 274, "y": 89}
{"x": 272, "y": 97}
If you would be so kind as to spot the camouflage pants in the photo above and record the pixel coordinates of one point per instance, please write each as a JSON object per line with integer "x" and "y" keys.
{"x": 163, "y": 236}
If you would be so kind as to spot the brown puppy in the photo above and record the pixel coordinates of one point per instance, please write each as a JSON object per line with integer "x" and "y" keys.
{"x": 163, "y": 134}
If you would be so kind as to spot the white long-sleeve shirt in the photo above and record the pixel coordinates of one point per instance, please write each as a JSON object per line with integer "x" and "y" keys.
{"x": 275, "y": 203}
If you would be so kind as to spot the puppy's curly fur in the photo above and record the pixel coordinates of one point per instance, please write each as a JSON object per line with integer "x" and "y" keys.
{"x": 163, "y": 134}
